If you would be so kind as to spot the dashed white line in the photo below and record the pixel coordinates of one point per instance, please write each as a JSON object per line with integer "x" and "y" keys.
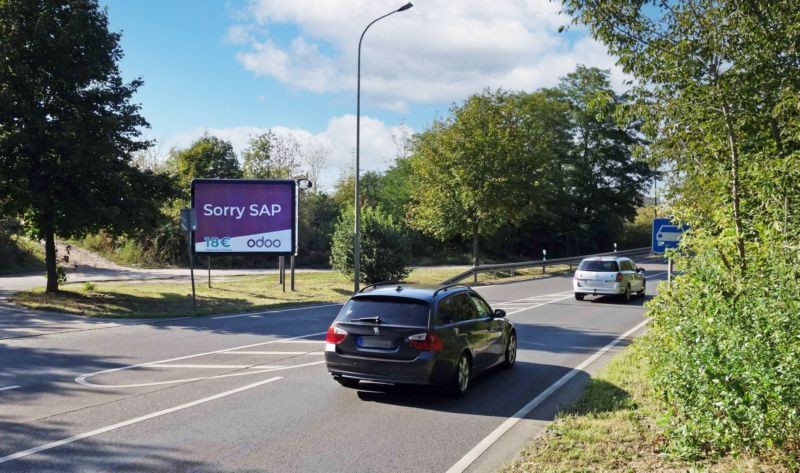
{"x": 135, "y": 420}
{"x": 495, "y": 435}
{"x": 9, "y": 388}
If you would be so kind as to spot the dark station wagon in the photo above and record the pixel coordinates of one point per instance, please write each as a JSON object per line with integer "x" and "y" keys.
{"x": 406, "y": 334}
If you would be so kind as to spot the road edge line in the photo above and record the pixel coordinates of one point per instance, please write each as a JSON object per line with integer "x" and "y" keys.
{"x": 495, "y": 435}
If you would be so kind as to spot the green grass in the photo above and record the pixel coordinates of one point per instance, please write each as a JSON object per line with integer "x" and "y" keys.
{"x": 20, "y": 255}
{"x": 229, "y": 295}
{"x": 614, "y": 427}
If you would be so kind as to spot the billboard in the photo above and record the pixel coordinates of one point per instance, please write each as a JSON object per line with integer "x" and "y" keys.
{"x": 239, "y": 216}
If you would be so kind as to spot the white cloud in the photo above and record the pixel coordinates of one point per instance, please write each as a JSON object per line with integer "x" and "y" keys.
{"x": 378, "y": 148}
{"x": 439, "y": 51}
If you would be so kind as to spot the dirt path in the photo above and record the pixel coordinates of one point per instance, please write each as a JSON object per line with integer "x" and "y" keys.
{"x": 80, "y": 258}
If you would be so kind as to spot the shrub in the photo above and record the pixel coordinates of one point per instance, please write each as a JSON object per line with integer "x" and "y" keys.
{"x": 384, "y": 247}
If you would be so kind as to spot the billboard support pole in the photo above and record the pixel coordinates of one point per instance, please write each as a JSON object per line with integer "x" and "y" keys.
{"x": 189, "y": 236}
{"x": 209, "y": 271}
{"x": 291, "y": 264}
{"x": 282, "y": 270}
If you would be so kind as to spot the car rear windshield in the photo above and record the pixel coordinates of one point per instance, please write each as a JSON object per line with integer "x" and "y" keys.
{"x": 599, "y": 266}
{"x": 391, "y": 310}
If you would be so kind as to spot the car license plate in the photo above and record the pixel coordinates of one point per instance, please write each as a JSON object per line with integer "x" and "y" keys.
{"x": 374, "y": 342}
{"x": 595, "y": 283}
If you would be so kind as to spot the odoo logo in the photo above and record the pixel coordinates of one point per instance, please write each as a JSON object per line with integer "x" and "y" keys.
{"x": 263, "y": 243}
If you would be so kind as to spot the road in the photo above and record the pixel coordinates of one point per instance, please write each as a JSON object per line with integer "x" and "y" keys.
{"x": 250, "y": 392}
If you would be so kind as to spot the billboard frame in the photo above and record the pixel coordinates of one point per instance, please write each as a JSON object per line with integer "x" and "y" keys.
{"x": 294, "y": 211}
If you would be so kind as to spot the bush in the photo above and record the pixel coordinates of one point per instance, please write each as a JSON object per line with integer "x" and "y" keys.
{"x": 384, "y": 247}
{"x": 725, "y": 349}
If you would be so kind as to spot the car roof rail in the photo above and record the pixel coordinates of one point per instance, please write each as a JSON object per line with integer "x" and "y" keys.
{"x": 378, "y": 284}
{"x": 446, "y": 287}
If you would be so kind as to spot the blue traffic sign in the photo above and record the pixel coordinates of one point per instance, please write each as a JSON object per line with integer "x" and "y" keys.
{"x": 666, "y": 234}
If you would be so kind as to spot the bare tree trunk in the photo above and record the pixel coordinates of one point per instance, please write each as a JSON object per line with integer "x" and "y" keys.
{"x": 735, "y": 190}
{"x": 50, "y": 258}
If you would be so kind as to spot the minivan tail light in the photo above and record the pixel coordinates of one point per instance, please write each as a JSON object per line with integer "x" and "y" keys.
{"x": 335, "y": 335}
{"x": 619, "y": 277}
{"x": 427, "y": 341}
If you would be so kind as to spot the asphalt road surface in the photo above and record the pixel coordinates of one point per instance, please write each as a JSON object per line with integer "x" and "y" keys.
{"x": 250, "y": 392}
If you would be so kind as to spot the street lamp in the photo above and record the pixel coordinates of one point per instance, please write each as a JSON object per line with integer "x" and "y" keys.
{"x": 357, "y": 237}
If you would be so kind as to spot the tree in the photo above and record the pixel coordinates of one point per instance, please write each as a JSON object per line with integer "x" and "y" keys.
{"x": 207, "y": 157}
{"x": 68, "y": 127}
{"x": 604, "y": 181}
{"x": 369, "y": 188}
{"x": 718, "y": 87}
{"x": 384, "y": 248}
{"x": 271, "y": 156}
{"x": 470, "y": 174}
{"x": 315, "y": 160}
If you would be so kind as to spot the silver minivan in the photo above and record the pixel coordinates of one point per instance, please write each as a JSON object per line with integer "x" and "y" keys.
{"x": 608, "y": 275}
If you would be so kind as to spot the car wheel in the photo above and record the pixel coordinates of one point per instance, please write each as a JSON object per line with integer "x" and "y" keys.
{"x": 644, "y": 288}
{"x": 461, "y": 377}
{"x": 626, "y": 297}
{"x": 346, "y": 382}
{"x": 579, "y": 296}
{"x": 511, "y": 351}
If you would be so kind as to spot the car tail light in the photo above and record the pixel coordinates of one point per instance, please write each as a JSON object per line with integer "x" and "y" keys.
{"x": 428, "y": 341}
{"x": 335, "y": 335}
{"x": 619, "y": 277}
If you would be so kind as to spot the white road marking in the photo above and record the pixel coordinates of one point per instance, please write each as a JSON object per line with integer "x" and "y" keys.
{"x": 210, "y": 367}
{"x": 305, "y": 341}
{"x": 82, "y": 379}
{"x": 265, "y": 312}
{"x": 495, "y": 435}
{"x": 9, "y": 388}
{"x": 273, "y": 353}
{"x": 135, "y": 420}
{"x": 538, "y": 305}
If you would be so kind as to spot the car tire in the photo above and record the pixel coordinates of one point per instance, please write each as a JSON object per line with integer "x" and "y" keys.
{"x": 579, "y": 296}
{"x": 510, "y": 355}
{"x": 459, "y": 384}
{"x": 346, "y": 382}
{"x": 626, "y": 296}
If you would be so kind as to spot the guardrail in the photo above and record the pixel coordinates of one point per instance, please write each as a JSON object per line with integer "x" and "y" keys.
{"x": 543, "y": 263}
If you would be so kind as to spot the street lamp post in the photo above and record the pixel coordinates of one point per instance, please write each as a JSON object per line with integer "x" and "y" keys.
{"x": 357, "y": 236}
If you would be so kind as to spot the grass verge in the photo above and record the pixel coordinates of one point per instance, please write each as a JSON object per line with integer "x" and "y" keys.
{"x": 20, "y": 255}
{"x": 614, "y": 427}
{"x": 231, "y": 295}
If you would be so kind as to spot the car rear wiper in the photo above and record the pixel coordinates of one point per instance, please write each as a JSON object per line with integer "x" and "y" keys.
{"x": 376, "y": 319}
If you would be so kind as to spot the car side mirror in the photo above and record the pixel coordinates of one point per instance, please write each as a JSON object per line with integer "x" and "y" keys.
{"x": 640, "y": 270}
{"x": 499, "y": 313}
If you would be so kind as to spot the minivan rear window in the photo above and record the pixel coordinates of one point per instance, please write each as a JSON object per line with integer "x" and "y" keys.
{"x": 599, "y": 266}
{"x": 391, "y": 310}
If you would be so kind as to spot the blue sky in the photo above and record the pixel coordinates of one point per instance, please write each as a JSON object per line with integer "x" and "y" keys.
{"x": 239, "y": 67}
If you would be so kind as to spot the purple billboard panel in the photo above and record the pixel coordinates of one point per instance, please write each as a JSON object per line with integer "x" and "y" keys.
{"x": 244, "y": 216}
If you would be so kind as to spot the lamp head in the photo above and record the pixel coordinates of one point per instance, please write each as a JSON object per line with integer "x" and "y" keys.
{"x": 405, "y": 7}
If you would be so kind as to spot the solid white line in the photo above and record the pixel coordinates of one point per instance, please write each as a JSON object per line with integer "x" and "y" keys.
{"x": 495, "y": 435}
{"x": 82, "y": 378}
{"x": 273, "y": 353}
{"x": 126, "y": 423}
{"x": 272, "y": 311}
{"x": 8, "y": 388}
{"x": 304, "y": 341}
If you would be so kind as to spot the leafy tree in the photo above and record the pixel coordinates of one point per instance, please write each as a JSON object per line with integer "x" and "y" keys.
{"x": 207, "y": 157}
{"x": 604, "y": 182}
{"x": 270, "y": 156}
{"x": 318, "y": 214}
{"x": 470, "y": 174}
{"x": 368, "y": 192}
{"x": 68, "y": 127}
{"x": 384, "y": 248}
{"x": 718, "y": 87}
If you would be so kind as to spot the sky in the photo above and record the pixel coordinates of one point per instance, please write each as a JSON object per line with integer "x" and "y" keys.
{"x": 237, "y": 68}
